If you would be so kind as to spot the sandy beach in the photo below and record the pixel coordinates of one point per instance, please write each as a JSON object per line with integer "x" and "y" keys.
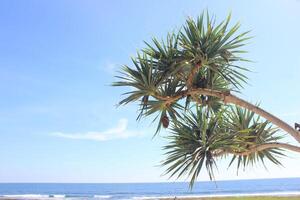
{"x": 237, "y": 198}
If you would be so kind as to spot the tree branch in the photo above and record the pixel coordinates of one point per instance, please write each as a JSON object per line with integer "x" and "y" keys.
{"x": 226, "y": 97}
{"x": 189, "y": 81}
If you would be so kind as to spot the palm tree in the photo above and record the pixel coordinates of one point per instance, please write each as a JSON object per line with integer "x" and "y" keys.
{"x": 188, "y": 82}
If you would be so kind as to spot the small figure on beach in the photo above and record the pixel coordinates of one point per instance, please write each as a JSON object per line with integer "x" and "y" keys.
{"x": 297, "y": 126}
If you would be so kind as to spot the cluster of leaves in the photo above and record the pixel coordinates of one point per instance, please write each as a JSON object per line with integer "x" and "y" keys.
{"x": 205, "y": 55}
{"x": 161, "y": 70}
{"x": 197, "y": 141}
{"x": 246, "y": 123}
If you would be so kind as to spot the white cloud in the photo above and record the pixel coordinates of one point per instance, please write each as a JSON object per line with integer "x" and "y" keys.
{"x": 120, "y": 131}
{"x": 109, "y": 67}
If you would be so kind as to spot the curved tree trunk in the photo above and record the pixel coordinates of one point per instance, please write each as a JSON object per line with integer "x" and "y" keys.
{"x": 275, "y": 120}
{"x": 229, "y": 98}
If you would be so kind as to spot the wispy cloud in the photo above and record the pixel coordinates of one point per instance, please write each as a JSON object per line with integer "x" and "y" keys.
{"x": 109, "y": 67}
{"x": 120, "y": 131}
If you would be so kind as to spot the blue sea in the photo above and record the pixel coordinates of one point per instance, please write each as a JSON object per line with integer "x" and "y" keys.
{"x": 134, "y": 191}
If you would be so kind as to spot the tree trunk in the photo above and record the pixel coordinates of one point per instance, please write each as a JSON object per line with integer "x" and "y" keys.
{"x": 229, "y": 98}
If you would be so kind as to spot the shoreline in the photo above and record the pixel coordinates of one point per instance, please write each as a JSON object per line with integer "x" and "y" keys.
{"x": 293, "y": 197}
{"x": 254, "y": 196}
{"x": 226, "y": 196}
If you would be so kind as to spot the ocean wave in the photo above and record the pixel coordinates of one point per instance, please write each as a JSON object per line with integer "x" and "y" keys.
{"x": 34, "y": 196}
{"x": 26, "y": 196}
{"x": 57, "y": 195}
{"x": 102, "y": 196}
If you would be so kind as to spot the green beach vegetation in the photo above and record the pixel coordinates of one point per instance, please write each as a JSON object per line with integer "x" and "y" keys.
{"x": 188, "y": 83}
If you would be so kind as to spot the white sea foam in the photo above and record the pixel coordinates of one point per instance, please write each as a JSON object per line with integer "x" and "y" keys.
{"x": 102, "y": 196}
{"x": 58, "y": 196}
{"x": 34, "y": 196}
{"x": 26, "y": 196}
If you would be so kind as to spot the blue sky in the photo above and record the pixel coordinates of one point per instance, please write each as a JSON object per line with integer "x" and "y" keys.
{"x": 58, "y": 120}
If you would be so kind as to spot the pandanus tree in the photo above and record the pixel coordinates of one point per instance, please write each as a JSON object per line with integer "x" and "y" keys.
{"x": 188, "y": 83}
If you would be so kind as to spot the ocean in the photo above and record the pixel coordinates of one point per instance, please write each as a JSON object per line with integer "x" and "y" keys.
{"x": 134, "y": 191}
